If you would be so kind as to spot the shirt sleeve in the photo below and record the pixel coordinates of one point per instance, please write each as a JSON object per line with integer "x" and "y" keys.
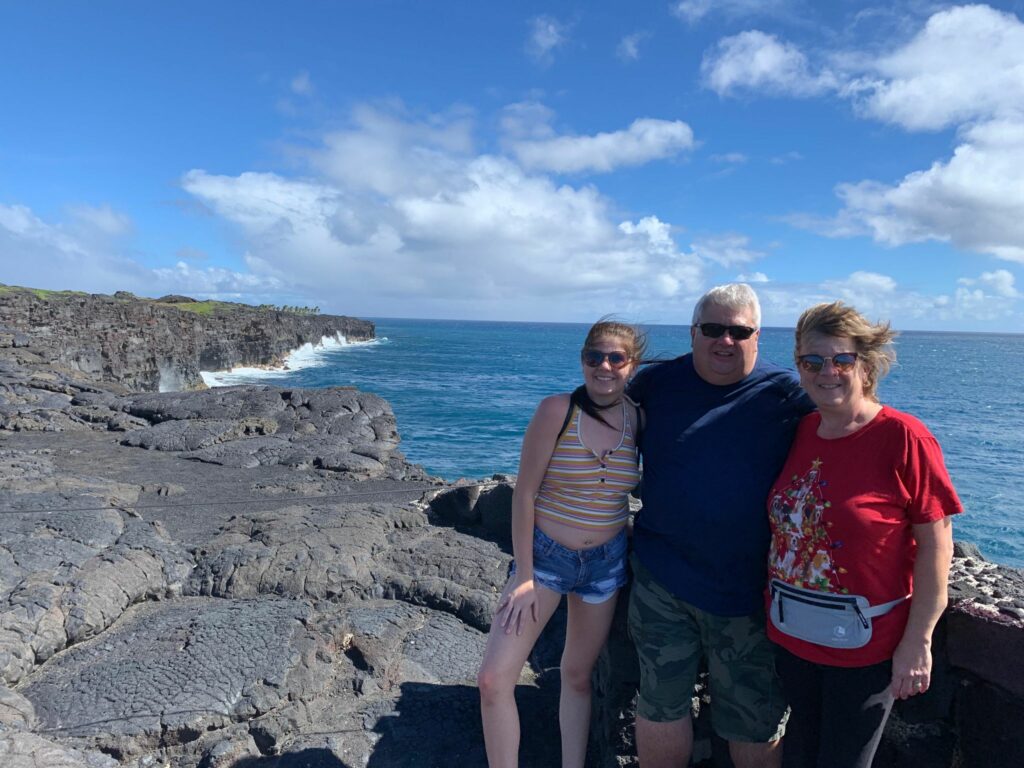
{"x": 793, "y": 394}
{"x": 638, "y": 386}
{"x": 931, "y": 491}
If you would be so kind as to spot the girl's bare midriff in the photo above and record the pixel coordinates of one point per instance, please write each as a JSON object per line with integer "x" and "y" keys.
{"x": 577, "y": 538}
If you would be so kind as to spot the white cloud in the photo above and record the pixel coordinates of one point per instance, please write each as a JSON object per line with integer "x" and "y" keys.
{"x": 388, "y": 155}
{"x": 871, "y": 293}
{"x": 628, "y": 48}
{"x": 216, "y": 283}
{"x": 546, "y": 35}
{"x": 693, "y": 11}
{"x": 971, "y": 302}
{"x": 975, "y": 200}
{"x": 727, "y": 250}
{"x": 466, "y": 235}
{"x": 988, "y": 297}
{"x": 731, "y": 158}
{"x": 646, "y": 139}
{"x": 967, "y": 63}
{"x": 188, "y": 253}
{"x": 861, "y": 283}
{"x": 496, "y": 234}
{"x": 19, "y": 226}
{"x": 999, "y": 282}
{"x": 875, "y": 295}
{"x": 103, "y": 219}
{"x": 964, "y": 68}
{"x": 85, "y": 254}
{"x": 527, "y": 120}
{"x": 402, "y": 212}
{"x": 756, "y": 61}
{"x": 879, "y": 296}
{"x": 787, "y": 157}
{"x": 302, "y": 85}
{"x": 752, "y": 277}
{"x": 271, "y": 206}
{"x": 75, "y": 255}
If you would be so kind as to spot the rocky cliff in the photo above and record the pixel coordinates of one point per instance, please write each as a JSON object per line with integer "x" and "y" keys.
{"x": 157, "y": 345}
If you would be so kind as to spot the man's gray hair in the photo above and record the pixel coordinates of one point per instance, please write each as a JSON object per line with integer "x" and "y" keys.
{"x": 734, "y": 296}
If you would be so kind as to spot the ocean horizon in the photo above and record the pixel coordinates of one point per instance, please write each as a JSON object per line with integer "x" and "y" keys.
{"x": 463, "y": 392}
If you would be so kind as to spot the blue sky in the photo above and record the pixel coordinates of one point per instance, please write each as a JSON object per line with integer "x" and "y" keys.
{"x": 524, "y": 161}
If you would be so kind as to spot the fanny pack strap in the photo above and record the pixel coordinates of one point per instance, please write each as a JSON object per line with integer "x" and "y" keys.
{"x": 883, "y": 608}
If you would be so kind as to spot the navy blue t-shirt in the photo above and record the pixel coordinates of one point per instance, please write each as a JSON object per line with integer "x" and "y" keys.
{"x": 710, "y": 456}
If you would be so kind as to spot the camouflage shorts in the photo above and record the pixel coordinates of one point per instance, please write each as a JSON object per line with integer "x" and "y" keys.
{"x": 671, "y": 636}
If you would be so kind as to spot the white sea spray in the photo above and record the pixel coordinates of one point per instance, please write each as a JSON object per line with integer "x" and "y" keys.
{"x": 307, "y": 356}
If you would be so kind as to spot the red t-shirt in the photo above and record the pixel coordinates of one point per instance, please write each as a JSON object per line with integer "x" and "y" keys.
{"x": 841, "y": 513}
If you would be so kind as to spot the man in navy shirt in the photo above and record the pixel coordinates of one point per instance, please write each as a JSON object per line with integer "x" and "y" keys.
{"x": 719, "y": 426}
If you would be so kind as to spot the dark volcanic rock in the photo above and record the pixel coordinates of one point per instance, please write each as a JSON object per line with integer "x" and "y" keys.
{"x": 26, "y": 750}
{"x": 318, "y": 553}
{"x": 337, "y": 429}
{"x": 157, "y": 345}
{"x": 985, "y": 622}
{"x": 167, "y": 672}
{"x": 243, "y": 574}
{"x": 988, "y": 720}
{"x": 67, "y": 575}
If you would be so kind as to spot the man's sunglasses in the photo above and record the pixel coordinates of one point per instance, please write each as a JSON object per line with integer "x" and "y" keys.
{"x": 844, "y": 362}
{"x": 715, "y": 330}
{"x": 592, "y": 358}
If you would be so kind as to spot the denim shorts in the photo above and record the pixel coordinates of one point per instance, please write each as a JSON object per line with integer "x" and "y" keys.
{"x": 594, "y": 574}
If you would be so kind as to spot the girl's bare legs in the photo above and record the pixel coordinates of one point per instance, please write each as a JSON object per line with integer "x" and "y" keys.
{"x": 585, "y": 635}
{"x": 503, "y": 662}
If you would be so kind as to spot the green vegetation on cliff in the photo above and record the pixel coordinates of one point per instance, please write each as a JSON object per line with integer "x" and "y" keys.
{"x": 40, "y": 293}
{"x": 183, "y": 303}
{"x": 202, "y": 307}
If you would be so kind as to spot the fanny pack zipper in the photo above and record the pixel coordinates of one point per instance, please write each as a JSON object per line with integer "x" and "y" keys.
{"x": 830, "y": 603}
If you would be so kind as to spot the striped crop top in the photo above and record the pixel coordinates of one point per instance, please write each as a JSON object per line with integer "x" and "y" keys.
{"x": 582, "y": 490}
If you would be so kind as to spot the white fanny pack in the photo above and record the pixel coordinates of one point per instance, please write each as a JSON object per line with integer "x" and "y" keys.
{"x": 824, "y": 618}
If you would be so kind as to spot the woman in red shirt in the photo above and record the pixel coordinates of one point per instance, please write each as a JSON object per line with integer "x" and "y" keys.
{"x": 861, "y": 547}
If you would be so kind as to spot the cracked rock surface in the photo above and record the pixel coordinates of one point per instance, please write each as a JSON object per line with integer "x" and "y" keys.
{"x": 247, "y": 576}
{"x": 165, "y": 672}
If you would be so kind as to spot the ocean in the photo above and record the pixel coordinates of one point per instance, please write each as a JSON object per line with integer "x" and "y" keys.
{"x": 463, "y": 393}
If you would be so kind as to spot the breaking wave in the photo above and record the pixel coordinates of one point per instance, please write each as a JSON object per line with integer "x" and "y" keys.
{"x": 306, "y": 356}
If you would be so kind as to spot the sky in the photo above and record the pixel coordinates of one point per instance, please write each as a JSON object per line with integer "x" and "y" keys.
{"x": 547, "y": 161}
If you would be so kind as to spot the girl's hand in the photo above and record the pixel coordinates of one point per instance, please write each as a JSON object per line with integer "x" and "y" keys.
{"x": 516, "y": 605}
{"x": 911, "y": 669}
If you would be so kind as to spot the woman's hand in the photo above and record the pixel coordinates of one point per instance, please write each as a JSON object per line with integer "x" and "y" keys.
{"x": 911, "y": 668}
{"x": 517, "y": 605}
{"x": 912, "y": 660}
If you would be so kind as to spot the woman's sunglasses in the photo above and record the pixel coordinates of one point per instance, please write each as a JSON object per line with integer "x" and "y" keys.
{"x": 715, "y": 330}
{"x": 844, "y": 362}
{"x": 592, "y": 358}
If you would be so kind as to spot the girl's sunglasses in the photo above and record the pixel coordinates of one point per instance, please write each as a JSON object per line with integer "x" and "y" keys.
{"x": 844, "y": 362}
{"x": 592, "y": 358}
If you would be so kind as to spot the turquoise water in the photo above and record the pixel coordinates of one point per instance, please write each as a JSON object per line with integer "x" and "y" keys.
{"x": 463, "y": 393}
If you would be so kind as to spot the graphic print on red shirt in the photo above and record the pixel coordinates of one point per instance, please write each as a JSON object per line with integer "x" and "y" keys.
{"x": 801, "y": 552}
